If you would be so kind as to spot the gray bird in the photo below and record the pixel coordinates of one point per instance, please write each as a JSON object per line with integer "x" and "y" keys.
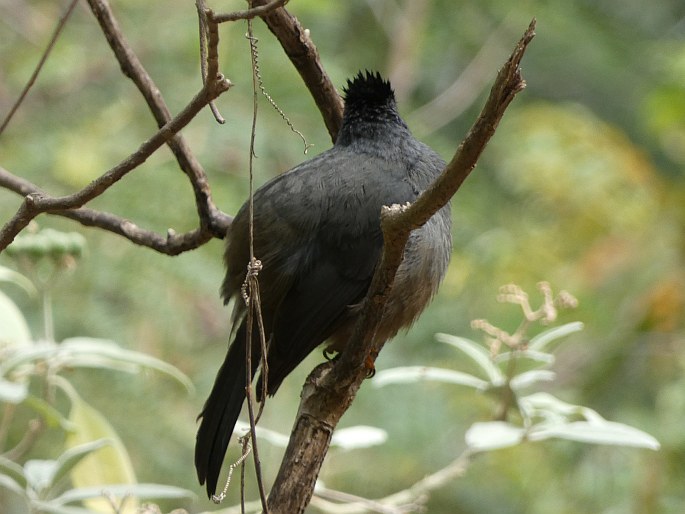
{"x": 317, "y": 232}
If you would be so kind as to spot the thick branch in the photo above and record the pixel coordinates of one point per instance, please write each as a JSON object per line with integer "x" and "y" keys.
{"x": 302, "y": 52}
{"x": 210, "y": 216}
{"x": 37, "y": 203}
{"x": 331, "y": 388}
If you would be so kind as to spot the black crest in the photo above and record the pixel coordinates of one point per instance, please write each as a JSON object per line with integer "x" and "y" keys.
{"x": 368, "y": 89}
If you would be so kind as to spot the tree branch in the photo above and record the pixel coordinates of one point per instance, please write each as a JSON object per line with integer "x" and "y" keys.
{"x": 38, "y": 202}
{"x": 259, "y": 10}
{"x": 331, "y": 387}
{"x": 210, "y": 216}
{"x": 169, "y": 244}
{"x": 302, "y": 52}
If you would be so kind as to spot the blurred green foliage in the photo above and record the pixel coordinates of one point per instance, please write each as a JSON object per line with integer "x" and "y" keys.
{"x": 582, "y": 186}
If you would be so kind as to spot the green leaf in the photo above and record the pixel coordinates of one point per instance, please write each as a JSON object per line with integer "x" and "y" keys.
{"x": 538, "y": 404}
{"x": 93, "y": 353}
{"x": 535, "y": 356}
{"x": 358, "y": 436}
{"x": 40, "y": 474}
{"x": 73, "y": 456}
{"x": 28, "y": 354}
{"x": 109, "y": 465}
{"x": 493, "y": 435}
{"x": 13, "y": 327}
{"x": 477, "y": 353}
{"x": 52, "y": 508}
{"x": 13, "y": 392}
{"x": 558, "y": 423}
{"x": 13, "y": 277}
{"x": 50, "y": 414}
{"x": 411, "y": 374}
{"x": 605, "y": 432}
{"x": 90, "y": 352}
{"x": 10, "y": 484}
{"x": 540, "y": 341}
{"x": 13, "y": 471}
{"x": 529, "y": 378}
{"x": 138, "y": 491}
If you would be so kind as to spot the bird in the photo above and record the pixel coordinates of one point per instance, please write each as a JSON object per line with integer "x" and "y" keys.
{"x": 317, "y": 233}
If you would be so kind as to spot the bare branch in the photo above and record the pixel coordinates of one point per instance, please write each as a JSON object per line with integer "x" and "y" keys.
{"x": 302, "y": 52}
{"x": 170, "y": 244}
{"x": 58, "y": 30}
{"x": 209, "y": 57}
{"x": 330, "y": 388}
{"x": 210, "y": 216}
{"x": 36, "y": 203}
{"x": 259, "y": 10}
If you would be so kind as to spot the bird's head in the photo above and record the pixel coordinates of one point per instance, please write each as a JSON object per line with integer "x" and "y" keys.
{"x": 369, "y": 103}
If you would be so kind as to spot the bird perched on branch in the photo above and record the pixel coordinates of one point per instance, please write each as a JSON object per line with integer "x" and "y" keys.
{"x": 317, "y": 233}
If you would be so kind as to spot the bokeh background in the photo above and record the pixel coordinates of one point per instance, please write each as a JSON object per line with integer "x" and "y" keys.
{"x": 581, "y": 186}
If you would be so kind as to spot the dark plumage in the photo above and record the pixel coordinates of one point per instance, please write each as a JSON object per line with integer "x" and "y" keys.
{"x": 317, "y": 233}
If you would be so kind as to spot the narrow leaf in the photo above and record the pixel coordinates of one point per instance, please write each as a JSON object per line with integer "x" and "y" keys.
{"x": 14, "y": 277}
{"x": 607, "y": 432}
{"x": 13, "y": 327}
{"x": 10, "y": 484}
{"x": 73, "y": 456}
{"x": 529, "y": 378}
{"x": 359, "y": 436}
{"x": 541, "y": 357}
{"x": 51, "y": 507}
{"x": 477, "y": 354}
{"x": 13, "y": 471}
{"x": 411, "y": 374}
{"x": 50, "y": 414}
{"x": 83, "y": 347}
{"x": 138, "y": 491}
{"x": 109, "y": 465}
{"x": 27, "y": 354}
{"x": 492, "y": 435}
{"x": 540, "y": 341}
{"x": 40, "y": 474}
{"x": 13, "y": 392}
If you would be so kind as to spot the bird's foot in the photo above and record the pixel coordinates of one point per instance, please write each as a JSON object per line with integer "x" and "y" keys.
{"x": 370, "y": 365}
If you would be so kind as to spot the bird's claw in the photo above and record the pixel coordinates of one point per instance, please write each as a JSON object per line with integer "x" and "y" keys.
{"x": 370, "y": 365}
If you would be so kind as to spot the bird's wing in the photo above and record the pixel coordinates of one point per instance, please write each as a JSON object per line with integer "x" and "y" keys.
{"x": 339, "y": 244}
{"x": 317, "y": 304}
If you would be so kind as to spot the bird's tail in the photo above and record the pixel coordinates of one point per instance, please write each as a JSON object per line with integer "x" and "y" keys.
{"x": 221, "y": 412}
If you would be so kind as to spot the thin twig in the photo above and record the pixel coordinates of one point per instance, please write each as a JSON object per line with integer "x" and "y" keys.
{"x": 202, "y": 26}
{"x": 252, "y": 12}
{"x": 209, "y": 40}
{"x": 58, "y": 30}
